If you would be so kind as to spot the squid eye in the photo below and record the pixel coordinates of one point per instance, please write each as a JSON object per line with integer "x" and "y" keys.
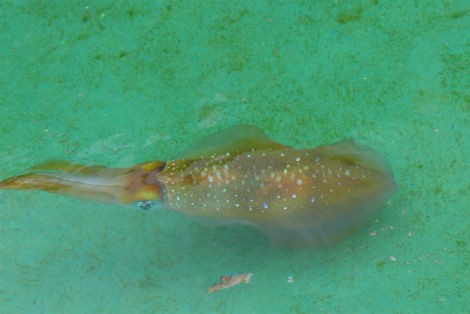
{"x": 145, "y": 205}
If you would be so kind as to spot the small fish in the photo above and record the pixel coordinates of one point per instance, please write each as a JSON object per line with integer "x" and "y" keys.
{"x": 297, "y": 197}
{"x": 230, "y": 281}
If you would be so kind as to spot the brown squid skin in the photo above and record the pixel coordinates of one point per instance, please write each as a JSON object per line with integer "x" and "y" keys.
{"x": 297, "y": 197}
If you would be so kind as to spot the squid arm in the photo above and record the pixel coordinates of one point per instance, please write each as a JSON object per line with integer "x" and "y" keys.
{"x": 114, "y": 185}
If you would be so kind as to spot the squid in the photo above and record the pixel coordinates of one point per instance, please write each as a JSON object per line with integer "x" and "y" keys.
{"x": 306, "y": 197}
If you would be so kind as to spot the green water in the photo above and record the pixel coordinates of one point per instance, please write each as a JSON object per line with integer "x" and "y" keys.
{"x": 118, "y": 83}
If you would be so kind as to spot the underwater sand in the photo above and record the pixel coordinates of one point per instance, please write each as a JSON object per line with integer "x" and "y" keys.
{"x": 121, "y": 83}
